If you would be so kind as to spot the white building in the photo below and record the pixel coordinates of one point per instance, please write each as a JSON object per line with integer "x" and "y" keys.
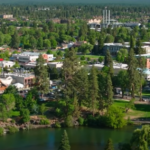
{"x": 26, "y": 79}
{"x": 27, "y": 57}
{"x": 57, "y": 65}
{"x": 116, "y": 66}
{"x": 114, "y": 47}
{"x": 67, "y": 45}
{"x": 147, "y": 49}
{"x": 31, "y": 65}
{"x": 7, "y": 64}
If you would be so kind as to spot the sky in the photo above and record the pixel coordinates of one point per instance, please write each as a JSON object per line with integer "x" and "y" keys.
{"x": 77, "y": 1}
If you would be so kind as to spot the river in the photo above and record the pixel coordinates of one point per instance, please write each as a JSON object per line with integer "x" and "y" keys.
{"x": 81, "y": 138}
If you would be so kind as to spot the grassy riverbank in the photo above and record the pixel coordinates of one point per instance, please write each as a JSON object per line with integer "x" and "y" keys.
{"x": 140, "y": 110}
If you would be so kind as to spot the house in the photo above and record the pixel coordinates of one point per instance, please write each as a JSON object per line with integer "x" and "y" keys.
{"x": 4, "y": 83}
{"x": 147, "y": 49}
{"x": 79, "y": 43}
{"x": 67, "y": 45}
{"x": 57, "y": 65}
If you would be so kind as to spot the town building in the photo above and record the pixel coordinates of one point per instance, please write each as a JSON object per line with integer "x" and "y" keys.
{"x": 67, "y": 45}
{"x": 27, "y": 57}
{"x": 6, "y": 16}
{"x": 26, "y": 79}
{"x": 94, "y": 20}
{"x": 147, "y": 57}
{"x": 146, "y": 49}
{"x": 131, "y": 24}
{"x": 114, "y": 47}
{"x": 31, "y": 65}
{"x": 116, "y": 66}
{"x": 57, "y": 65}
{"x": 146, "y": 70}
{"x": 7, "y": 64}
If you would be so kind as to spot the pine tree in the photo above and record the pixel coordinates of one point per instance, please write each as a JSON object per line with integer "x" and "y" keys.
{"x": 41, "y": 76}
{"x": 93, "y": 89}
{"x": 132, "y": 72}
{"x": 109, "y": 91}
{"x": 109, "y": 62}
{"x": 138, "y": 49}
{"x": 76, "y": 112}
{"x": 15, "y": 40}
{"x": 109, "y": 145}
{"x": 70, "y": 67}
{"x": 64, "y": 144}
{"x": 141, "y": 65}
{"x": 132, "y": 42}
{"x": 81, "y": 86}
{"x": 100, "y": 44}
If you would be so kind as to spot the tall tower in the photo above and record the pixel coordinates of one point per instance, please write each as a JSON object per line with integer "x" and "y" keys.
{"x": 106, "y": 17}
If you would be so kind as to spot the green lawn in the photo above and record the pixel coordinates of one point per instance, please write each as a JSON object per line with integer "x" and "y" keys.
{"x": 90, "y": 56}
{"x": 146, "y": 93}
{"x": 140, "y": 110}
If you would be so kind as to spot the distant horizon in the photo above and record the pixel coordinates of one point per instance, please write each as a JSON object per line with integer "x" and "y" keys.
{"x": 119, "y": 2}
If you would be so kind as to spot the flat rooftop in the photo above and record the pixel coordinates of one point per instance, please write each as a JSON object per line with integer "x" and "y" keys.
{"x": 143, "y": 55}
{"x": 19, "y": 74}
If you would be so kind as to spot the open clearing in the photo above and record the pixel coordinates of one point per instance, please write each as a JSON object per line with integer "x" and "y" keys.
{"x": 140, "y": 110}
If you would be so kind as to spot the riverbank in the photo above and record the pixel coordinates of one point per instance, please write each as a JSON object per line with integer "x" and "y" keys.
{"x": 25, "y": 126}
{"x": 29, "y": 126}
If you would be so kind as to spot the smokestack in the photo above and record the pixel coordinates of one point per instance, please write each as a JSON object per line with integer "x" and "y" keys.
{"x": 103, "y": 17}
{"x": 106, "y": 18}
{"x": 109, "y": 16}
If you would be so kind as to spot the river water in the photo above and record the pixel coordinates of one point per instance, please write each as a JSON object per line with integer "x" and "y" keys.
{"x": 81, "y": 138}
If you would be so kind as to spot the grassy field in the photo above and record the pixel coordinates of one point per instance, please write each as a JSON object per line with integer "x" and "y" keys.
{"x": 146, "y": 93}
{"x": 140, "y": 110}
{"x": 90, "y": 56}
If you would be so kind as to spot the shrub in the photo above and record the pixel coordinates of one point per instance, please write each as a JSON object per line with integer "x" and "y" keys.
{"x": 81, "y": 121}
{"x": 91, "y": 121}
{"x": 97, "y": 121}
{"x": 44, "y": 122}
{"x": 88, "y": 58}
{"x": 58, "y": 112}
{"x": 1, "y": 131}
{"x": 69, "y": 121}
{"x": 12, "y": 121}
{"x": 82, "y": 58}
{"x": 25, "y": 114}
{"x": 13, "y": 129}
{"x": 129, "y": 122}
{"x": 115, "y": 117}
{"x": 57, "y": 125}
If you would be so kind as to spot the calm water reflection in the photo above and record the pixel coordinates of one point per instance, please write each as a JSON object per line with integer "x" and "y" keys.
{"x": 48, "y": 139}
